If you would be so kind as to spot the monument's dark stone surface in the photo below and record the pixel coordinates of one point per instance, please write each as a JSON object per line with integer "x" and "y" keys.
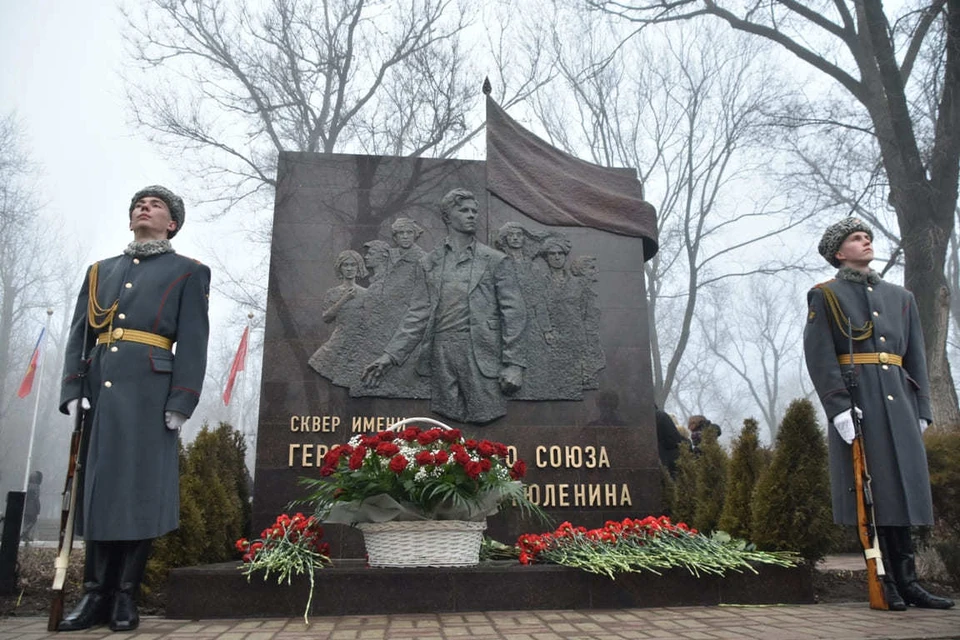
{"x": 343, "y": 283}
{"x": 350, "y": 588}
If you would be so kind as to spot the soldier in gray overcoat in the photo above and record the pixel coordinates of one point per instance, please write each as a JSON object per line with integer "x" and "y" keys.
{"x": 120, "y": 362}
{"x": 893, "y": 397}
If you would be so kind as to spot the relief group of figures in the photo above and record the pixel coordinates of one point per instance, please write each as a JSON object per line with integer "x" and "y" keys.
{"x": 544, "y": 318}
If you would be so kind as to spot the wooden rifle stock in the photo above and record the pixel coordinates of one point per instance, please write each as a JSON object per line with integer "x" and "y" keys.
{"x": 867, "y": 528}
{"x": 866, "y": 516}
{"x": 67, "y": 518}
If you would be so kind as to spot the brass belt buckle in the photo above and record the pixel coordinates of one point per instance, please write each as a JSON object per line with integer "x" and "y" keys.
{"x": 884, "y": 358}
{"x": 117, "y": 334}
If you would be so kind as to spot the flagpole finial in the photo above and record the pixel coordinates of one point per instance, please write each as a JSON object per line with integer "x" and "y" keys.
{"x": 487, "y": 87}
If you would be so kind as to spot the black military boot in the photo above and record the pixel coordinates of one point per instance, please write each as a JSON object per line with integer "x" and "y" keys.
{"x": 125, "y": 616}
{"x": 905, "y": 572}
{"x": 891, "y": 595}
{"x": 94, "y": 607}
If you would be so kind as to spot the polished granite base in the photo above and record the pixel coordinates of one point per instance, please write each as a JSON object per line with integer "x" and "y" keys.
{"x": 352, "y": 588}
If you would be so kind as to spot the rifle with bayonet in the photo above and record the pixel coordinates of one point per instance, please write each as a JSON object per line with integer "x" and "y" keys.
{"x": 866, "y": 516}
{"x": 68, "y": 509}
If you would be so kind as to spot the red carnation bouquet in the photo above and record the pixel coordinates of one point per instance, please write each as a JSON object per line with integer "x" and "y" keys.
{"x": 291, "y": 545}
{"x": 650, "y": 544}
{"x": 412, "y": 473}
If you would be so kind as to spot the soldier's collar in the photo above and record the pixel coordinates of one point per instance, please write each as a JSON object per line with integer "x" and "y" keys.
{"x": 148, "y": 248}
{"x": 852, "y": 275}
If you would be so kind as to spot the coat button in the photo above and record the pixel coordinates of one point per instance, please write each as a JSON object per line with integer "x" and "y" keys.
{"x": 876, "y": 314}
{"x": 868, "y": 288}
{"x": 136, "y": 261}
{"x": 885, "y": 367}
{"x": 108, "y": 384}
{"x": 889, "y": 397}
{"x": 129, "y": 285}
{"x": 114, "y": 350}
{"x": 883, "y": 339}
{"x": 123, "y": 316}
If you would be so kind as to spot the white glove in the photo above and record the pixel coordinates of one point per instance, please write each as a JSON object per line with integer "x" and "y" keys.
{"x": 843, "y": 423}
{"x": 923, "y": 425}
{"x": 72, "y": 405}
{"x": 174, "y": 420}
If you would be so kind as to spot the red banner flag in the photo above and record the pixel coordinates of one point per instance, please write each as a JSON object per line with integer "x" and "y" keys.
{"x": 26, "y": 385}
{"x": 239, "y": 360}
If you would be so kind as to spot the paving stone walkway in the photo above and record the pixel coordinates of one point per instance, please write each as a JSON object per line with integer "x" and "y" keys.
{"x": 833, "y": 621}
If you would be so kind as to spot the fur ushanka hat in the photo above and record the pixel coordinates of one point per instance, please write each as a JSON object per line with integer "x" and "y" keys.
{"x": 174, "y": 203}
{"x": 835, "y": 234}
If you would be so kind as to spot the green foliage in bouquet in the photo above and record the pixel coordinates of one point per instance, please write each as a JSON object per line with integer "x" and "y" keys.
{"x": 414, "y": 473}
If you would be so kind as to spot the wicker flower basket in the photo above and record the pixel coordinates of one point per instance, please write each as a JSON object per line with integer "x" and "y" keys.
{"x": 423, "y": 543}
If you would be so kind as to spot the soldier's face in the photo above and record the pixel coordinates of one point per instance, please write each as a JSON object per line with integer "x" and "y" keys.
{"x": 463, "y": 217}
{"x": 151, "y": 220}
{"x": 404, "y": 238}
{"x": 856, "y": 250}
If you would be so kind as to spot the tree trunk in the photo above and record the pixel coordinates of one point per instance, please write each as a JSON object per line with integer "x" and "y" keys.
{"x": 925, "y": 247}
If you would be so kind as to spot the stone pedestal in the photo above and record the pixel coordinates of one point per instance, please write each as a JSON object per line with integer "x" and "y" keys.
{"x": 352, "y": 588}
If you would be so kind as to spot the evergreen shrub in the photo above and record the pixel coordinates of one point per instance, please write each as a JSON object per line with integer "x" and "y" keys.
{"x": 684, "y": 503}
{"x": 791, "y": 507}
{"x": 214, "y": 504}
{"x": 746, "y": 465}
{"x": 711, "y": 472}
{"x": 943, "y": 458}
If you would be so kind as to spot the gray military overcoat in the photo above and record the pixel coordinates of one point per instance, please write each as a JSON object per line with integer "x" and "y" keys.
{"x": 130, "y": 471}
{"x": 892, "y": 398}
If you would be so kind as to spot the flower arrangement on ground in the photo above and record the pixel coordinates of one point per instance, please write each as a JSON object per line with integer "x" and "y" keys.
{"x": 651, "y": 544}
{"x": 411, "y": 473}
{"x": 289, "y": 546}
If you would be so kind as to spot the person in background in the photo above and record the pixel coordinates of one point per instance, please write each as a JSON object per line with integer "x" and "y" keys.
{"x": 669, "y": 440}
{"x": 31, "y": 510}
{"x": 697, "y": 424}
